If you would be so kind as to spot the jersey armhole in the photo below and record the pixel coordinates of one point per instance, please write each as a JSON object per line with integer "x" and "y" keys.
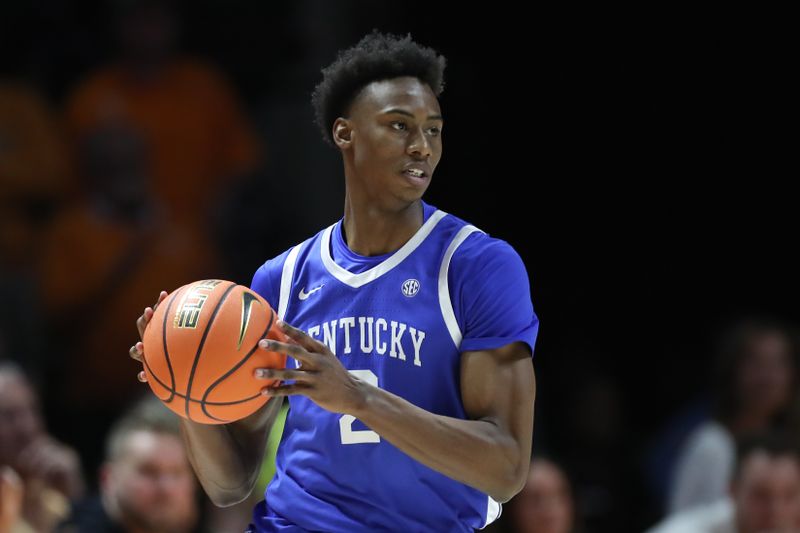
{"x": 287, "y": 275}
{"x": 445, "y": 300}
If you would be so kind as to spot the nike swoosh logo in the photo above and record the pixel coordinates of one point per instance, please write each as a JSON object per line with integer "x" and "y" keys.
{"x": 304, "y": 295}
{"x": 247, "y": 307}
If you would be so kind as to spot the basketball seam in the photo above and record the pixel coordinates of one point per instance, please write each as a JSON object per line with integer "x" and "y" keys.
{"x": 172, "y": 388}
{"x": 202, "y": 343}
{"x": 232, "y": 370}
{"x": 183, "y": 396}
{"x": 166, "y": 350}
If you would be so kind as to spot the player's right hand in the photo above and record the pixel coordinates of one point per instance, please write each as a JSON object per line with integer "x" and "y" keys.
{"x": 137, "y": 350}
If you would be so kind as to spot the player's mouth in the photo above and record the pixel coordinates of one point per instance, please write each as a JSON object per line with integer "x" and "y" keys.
{"x": 416, "y": 173}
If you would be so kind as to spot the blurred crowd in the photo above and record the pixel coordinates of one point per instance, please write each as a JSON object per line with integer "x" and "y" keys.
{"x": 152, "y": 171}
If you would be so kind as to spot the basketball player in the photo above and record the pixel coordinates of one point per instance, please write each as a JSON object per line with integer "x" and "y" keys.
{"x": 410, "y": 377}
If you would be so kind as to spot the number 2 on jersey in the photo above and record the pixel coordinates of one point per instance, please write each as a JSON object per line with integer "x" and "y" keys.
{"x": 358, "y": 436}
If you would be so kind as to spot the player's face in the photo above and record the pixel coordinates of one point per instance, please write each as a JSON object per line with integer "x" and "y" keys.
{"x": 152, "y": 484}
{"x": 545, "y": 504}
{"x": 767, "y": 494}
{"x": 394, "y": 123}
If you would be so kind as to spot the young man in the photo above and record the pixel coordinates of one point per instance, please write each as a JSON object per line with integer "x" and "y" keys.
{"x": 146, "y": 483}
{"x": 410, "y": 381}
{"x": 764, "y": 494}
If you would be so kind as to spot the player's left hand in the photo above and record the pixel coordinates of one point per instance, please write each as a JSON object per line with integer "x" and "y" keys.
{"x": 321, "y": 376}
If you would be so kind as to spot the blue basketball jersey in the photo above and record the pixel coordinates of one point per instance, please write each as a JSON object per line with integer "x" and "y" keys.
{"x": 400, "y": 322}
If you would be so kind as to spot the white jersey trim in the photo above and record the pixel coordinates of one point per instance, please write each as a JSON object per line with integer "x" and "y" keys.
{"x": 358, "y": 280}
{"x": 444, "y": 290}
{"x": 493, "y": 512}
{"x": 286, "y": 281}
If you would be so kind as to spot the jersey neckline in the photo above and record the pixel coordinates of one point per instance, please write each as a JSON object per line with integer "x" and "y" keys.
{"x": 382, "y": 263}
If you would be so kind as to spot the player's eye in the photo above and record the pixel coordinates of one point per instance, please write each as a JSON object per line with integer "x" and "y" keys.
{"x": 435, "y": 131}
{"x": 397, "y": 122}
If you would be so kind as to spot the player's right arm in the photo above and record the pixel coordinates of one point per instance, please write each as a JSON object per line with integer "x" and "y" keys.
{"x": 227, "y": 457}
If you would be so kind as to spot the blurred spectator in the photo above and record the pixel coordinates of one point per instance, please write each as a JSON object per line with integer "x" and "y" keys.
{"x": 146, "y": 482}
{"x": 545, "y": 504}
{"x": 596, "y": 445}
{"x": 103, "y": 260}
{"x": 33, "y": 181}
{"x": 49, "y": 471}
{"x": 184, "y": 112}
{"x": 764, "y": 494}
{"x": 33, "y": 164}
{"x": 755, "y": 389}
{"x": 157, "y": 139}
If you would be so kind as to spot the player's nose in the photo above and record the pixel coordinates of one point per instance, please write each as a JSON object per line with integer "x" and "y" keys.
{"x": 419, "y": 145}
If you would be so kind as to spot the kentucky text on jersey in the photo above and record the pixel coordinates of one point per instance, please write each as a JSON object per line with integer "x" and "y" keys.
{"x": 371, "y": 335}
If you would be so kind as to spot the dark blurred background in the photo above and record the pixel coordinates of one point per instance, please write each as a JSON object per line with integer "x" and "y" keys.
{"x": 638, "y": 161}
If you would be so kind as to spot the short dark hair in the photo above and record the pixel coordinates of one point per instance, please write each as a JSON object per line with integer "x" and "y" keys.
{"x": 377, "y": 56}
{"x": 148, "y": 414}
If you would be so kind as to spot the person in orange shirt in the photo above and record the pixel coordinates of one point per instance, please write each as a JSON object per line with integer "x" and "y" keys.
{"x": 185, "y": 112}
{"x": 156, "y": 137}
{"x": 93, "y": 268}
{"x": 33, "y": 181}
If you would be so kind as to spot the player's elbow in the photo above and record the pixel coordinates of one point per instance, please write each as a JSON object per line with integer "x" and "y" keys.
{"x": 506, "y": 491}
{"x": 512, "y": 483}
{"x": 227, "y": 498}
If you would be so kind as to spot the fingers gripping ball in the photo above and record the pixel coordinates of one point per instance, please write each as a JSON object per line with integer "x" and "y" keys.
{"x": 201, "y": 351}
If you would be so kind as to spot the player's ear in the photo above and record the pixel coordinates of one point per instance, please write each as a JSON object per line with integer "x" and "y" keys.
{"x": 342, "y": 132}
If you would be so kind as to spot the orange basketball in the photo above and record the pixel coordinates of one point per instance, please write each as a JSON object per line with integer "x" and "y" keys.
{"x": 201, "y": 349}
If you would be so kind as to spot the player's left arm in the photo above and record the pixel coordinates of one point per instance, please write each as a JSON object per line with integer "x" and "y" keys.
{"x": 490, "y": 450}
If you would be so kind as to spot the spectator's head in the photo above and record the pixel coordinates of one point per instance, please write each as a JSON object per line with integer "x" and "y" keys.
{"x": 147, "y": 483}
{"x": 766, "y": 484}
{"x": 756, "y": 372}
{"x": 21, "y": 420}
{"x": 545, "y": 504}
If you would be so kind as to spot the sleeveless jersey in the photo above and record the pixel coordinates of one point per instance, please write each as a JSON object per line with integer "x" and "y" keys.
{"x": 400, "y": 322}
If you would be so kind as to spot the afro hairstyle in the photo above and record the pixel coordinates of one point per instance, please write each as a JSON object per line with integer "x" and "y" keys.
{"x": 377, "y": 56}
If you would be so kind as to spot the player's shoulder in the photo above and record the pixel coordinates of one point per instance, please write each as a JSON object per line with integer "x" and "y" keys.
{"x": 267, "y": 277}
{"x": 479, "y": 249}
{"x": 272, "y": 268}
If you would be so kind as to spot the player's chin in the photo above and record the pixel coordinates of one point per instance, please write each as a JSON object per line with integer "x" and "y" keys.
{"x": 410, "y": 196}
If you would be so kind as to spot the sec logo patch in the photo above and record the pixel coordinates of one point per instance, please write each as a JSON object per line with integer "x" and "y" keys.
{"x": 410, "y": 287}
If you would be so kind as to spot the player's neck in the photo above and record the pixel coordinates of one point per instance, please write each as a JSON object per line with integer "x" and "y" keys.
{"x": 370, "y": 230}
